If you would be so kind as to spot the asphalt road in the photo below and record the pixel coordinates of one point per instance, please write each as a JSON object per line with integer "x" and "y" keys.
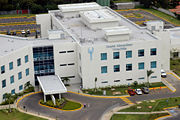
{"x": 97, "y": 106}
{"x": 94, "y": 112}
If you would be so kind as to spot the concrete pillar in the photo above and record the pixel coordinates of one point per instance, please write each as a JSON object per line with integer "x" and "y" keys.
{"x": 44, "y": 98}
{"x": 59, "y": 95}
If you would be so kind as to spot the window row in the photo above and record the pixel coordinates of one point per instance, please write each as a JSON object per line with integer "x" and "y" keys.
{"x": 12, "y": 78}
{"x": 67, "y": 64}
{"x": 11, "y": 66}
{"x": 13, "y": 91}
{"x": 70, "y": 51}
{"x": 104, "y": 69}
{"x": 141, "y": 78}
{"x": 116, "y": 55}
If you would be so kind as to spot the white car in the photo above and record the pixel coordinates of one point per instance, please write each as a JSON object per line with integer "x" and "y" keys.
{"x": 23, "y": 32}
{"x": 138, "y": 91}
{"x": 163, "y": 73}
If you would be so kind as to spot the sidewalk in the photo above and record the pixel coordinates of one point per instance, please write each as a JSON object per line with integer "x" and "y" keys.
{"x": 141, "y": 112}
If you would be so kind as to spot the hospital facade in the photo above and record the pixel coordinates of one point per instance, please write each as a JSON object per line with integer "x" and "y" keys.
{"x": 83, "y": 42}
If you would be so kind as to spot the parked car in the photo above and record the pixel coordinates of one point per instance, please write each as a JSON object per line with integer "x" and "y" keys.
{"x": 28, "y": 31}
{"x": 145, "y": 90}
{"x": 138, "y": 91}
{"x": 163, "y": 74}
{"x": 131, "y": 92}
{"x": 8, "y": 32}
{"x": 14, "y": 33}
{"x": 23, "y": 32}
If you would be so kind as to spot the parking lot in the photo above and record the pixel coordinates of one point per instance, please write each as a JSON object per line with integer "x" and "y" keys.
{"x": 140, "y": 16}
{"x": 8, "y": 25}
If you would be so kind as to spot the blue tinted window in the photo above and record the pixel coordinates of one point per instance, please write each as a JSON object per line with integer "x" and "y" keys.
{"x": 3, "y": 83}
{"x": 19, "y": 75}
{"x": 26, "y": 58}
{"x": 10, "y": 65}
{"x": 12, "y": 79}
{"x": 104, "y": 69}
{"x": 13, "y": 91}
{"x": 115, "y": 55}
{"x": 2, "y": 69}
{"x": 103, "y": 56}
{"x": 153, "y": 64}
{"x": 4, "y": 96}
{"x": 19, "y": 62}
{"x": 141, "y": 65}
{"x": 153, "y": 51}
{"x": 128, "y": 54}
{"x": 141, "y": 53}
{"x": 20, "y": 87}
{"x": 116, "y": 68}
{"x": 27, "y": 71}
{"x": 128, "y": 67}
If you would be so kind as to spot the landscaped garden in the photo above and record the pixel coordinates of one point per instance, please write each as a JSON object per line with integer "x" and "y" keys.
{"x": 153, "y": 105}
{"x": 136, "y": 117}
{"x": 10, "y": 99}
{"x": 175, "y": 66}
{"x": 62, "y": 103}
{"x": 16, "y": 115}
{"x": 119, "y": 90}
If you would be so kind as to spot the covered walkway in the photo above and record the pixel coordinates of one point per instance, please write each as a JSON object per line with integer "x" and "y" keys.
{"x": 51, "y": 85}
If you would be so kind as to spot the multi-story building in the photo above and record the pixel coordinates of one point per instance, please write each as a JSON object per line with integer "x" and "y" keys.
{"x": 83, "y": 42}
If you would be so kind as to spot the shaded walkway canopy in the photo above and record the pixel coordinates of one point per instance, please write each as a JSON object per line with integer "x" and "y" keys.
{"x": 51, "y": 84}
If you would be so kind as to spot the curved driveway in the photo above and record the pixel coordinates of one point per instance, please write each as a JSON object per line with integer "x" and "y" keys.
{"x": 94, "y": 111}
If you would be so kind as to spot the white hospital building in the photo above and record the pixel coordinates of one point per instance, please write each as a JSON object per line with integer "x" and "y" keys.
{"x": 83, "y": 42}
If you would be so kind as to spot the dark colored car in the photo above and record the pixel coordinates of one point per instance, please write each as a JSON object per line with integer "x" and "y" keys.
{"x": 145, "y": 90}
{"x": 14, "y": 33}
{"x": 131, "y": 92}
{"x": 8, "y": 33}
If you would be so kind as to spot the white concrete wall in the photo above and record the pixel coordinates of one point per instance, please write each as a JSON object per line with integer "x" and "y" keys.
{"x": 21, "y": 53}
{"x": 45, "y": 21}
{"x": 66, "y": 58}
{"x": 92, "y": 69}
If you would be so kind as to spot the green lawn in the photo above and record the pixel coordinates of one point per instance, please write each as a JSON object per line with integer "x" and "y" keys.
{"x": 16, "y": 115}
{"x": 165, "y": 16}
{"x": 122, "y": 89}
{"x": 175, "y": 66}
{"x": 158, "y": 105}
{"x": 70, "y": 105}
{"x": 136, "y": 117}
{"x": 18, "y": 15}
{"x": 118, "y": 1}
{"x": 63, "y": 104}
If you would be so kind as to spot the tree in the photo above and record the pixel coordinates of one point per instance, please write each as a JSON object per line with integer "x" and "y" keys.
{"x": 95, "y": 83}
{"x": 27, "y": 85}
{"x": 149, "y": 72}
{"x": 8, "y": 97}
{"x": 66, "y": 79}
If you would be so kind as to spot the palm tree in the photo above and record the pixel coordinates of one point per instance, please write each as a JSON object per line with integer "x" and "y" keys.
{"x": 27, "y": 85}
{"x": 95, "y": 83}
{"x": 66, "y": 79}
{"x": 149, "y": 72}
{"x": 8, "y": 97}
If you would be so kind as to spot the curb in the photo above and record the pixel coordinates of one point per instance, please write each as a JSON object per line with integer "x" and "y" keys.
{"x": 62, "y": 109}
{"x": 163, "y": 117}
{"x": 96, "y": 96}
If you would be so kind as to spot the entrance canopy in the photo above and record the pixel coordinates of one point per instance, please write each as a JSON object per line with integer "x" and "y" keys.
{"x": 51, "y": 84}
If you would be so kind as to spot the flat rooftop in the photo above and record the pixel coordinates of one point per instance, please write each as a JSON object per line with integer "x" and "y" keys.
{"x": 10, "y": 44}
{"x": 102, "y": 15}
{"x": 86, "y": 36}
{"x": 79, "y": 7}
{"x": 51, "y": 84}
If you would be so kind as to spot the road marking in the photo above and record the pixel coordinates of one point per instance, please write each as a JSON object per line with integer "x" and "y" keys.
{"x": 170, "y": 85}
{"x": 126, "y": 100}
{"x": 174, "y": 75}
